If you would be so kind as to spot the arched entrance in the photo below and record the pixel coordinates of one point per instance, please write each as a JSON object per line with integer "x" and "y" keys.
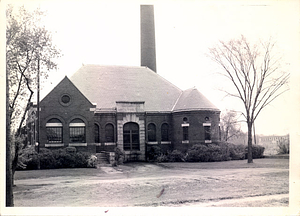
{"x": 131, "y": 138}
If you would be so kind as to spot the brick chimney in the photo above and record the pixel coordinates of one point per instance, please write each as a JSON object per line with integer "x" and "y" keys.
{"x": 148, "y": 55}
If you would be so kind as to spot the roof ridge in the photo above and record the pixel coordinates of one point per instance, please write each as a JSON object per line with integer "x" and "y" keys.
{"x": 192, "y": 88}
{"x": 163, "y": 78}
{"x": 177, "y": 101}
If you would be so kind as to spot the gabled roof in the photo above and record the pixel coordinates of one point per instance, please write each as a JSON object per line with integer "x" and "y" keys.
{"x": 62, "y": 85}
{"x": 192, "y": 99}
{"x": 105, "y": 85}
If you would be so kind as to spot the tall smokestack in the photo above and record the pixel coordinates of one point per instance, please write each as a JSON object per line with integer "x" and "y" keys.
{"x": 148, "y": 55}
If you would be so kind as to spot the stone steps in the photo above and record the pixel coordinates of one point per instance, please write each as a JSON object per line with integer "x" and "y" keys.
{"x": 101, "y": 158}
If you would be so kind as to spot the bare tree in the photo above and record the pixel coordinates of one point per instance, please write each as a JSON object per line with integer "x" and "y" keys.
{"x": 28, "y": 48}
{"x": 230, "y": 125}
{"x": 255, "y": 75}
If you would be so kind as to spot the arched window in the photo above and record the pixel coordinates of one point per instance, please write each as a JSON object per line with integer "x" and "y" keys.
{"x": 77, "y": 131}
{"x": 185, "y": 133}
{"x": 164, "y": 132}
{"x": 54, "y": 130}
{"x": 97, "y": 133}
{"x": 151, "y": 132}
{"x": 109, "y": 133}
{"x": 131, "y": 139}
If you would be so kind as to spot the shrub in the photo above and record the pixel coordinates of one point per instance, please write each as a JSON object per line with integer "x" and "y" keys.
{"x": 220, "y": 152}
{"x": 236, "y": 152}
{"x": 197, "y": 153}
{"x": 47, "y": 160}
{"x": 64, "y": 159}
{"x": 283, "y": 147}
{"x": 162, "y": 158}
{"x": 82, "y": 158}
{"x": 53, "y": 159}
{"x": 208, "y": 153}
{"x": 29, "y": 157}
{"x": 257, "y": 151}
{"x": 153, "y": 153}
{"x": 119, "y": 156}
{"x": 71, "y": 149}
{"x": 175, "y": 156}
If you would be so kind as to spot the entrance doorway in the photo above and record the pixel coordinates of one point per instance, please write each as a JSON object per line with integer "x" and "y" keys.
{"x": 131, "y": 138}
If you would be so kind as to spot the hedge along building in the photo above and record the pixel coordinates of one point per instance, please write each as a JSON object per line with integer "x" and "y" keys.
{"x": 132, "y": 108}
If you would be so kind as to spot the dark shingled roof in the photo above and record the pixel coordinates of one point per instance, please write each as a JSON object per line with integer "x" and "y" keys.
{"x": 105, "y": 85}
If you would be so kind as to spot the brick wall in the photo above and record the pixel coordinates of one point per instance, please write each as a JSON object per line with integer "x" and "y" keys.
{"x": 78, "y": 107}
{"x": 158, "y": 119}
{"x": 195, "y": 120}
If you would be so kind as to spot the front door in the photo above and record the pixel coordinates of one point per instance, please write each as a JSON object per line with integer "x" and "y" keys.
{"x": 131, "y": 138}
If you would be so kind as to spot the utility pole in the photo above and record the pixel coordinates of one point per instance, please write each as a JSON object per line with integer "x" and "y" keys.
{"x": 9, "y": 175}
{"x": 38, "y": 107}
{"x": 254, "y": 134}
{"x": 38, "y": 112}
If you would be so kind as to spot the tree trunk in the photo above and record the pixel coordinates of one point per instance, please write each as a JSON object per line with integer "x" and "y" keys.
{"x": 9, "y": 177}
{"x": 250, "y": 159}
{"x": 14, "y": 160}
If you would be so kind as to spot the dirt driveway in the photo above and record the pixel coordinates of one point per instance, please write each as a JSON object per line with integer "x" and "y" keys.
{"x": 233, "y": 183}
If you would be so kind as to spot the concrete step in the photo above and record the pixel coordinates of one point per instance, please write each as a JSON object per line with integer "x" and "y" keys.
{"x": 101, "y": 158}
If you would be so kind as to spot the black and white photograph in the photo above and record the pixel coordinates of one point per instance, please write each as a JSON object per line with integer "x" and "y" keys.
{"x": 133, "y": 107}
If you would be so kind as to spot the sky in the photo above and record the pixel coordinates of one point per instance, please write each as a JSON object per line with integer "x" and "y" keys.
{"x": 108, "y": 33}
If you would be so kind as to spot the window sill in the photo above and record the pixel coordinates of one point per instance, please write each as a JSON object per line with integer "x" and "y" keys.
{"x": 165, "y": 142}
{"x": 109, "y": 143}
{"x": 152, "y": 143}
{"x": 54, "y": 145}
{"x": 185, "y": 141}
{"x": 77, "y": 144}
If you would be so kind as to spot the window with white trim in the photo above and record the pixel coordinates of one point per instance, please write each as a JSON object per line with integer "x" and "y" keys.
{"x": 77, "y": 131}
{"x": 207, "y": 132}
{"x": 54, "y": 130}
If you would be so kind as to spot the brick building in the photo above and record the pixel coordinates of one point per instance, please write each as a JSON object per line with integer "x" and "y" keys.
{"x": 133, "y": 108}
{"x": 271, "y": 143}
